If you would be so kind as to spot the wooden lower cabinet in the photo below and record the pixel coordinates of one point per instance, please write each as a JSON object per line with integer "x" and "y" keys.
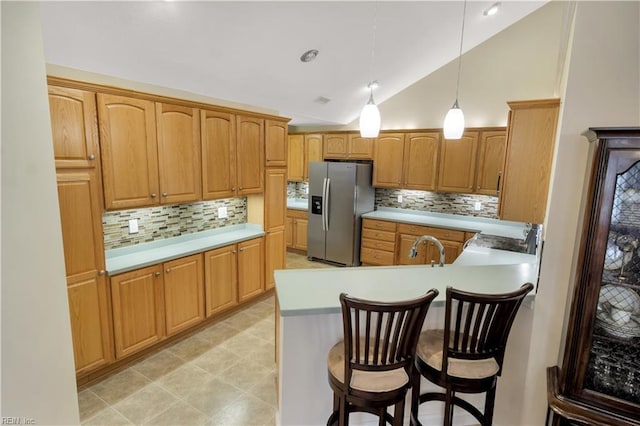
{"x": 183, "y": 293}
{"x": 378, "y": 242}
{"x": 138, "y": 309}
{"x": 221, "y": 279}
{"x": 275, "y": 255}
{"x": 296, "y": 229}
{"x": 90, "y": 324}
{"x": 250, "y": 277}
{"x": 452, "y": 240}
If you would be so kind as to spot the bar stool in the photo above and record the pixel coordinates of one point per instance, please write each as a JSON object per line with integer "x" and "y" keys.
{"x": 467, "y": 355}
{"x": 370, "y": 369}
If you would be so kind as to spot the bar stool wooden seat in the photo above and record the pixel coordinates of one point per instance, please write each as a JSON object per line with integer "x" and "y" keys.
{"x": 476, "y": 328}
{"x": 370, "y": 369}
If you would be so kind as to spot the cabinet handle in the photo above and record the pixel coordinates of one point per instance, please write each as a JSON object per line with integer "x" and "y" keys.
{"x": 92, "y": 157}
{"x": 233, "y": 252}
{"x": 102, "y": 272}
{"x": 157, "y": 274}
{"x": 153, "y": 195}
{"x": 164, "y": 194}
{"x": 498, "y": 184}
{"x": 167, "y": 270}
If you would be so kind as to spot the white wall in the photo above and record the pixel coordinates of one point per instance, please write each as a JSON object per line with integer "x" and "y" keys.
{"x": 601, "y": 87}
{"x": 38, "y": 378}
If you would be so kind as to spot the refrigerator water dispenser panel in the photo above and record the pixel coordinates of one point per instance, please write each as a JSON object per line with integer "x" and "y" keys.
{"x": 316, "y": 204}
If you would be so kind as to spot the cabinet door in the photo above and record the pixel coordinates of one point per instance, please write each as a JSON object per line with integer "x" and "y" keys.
{"x": 405, "y": 241}
{"x": 531, "y": 135}
{"x": 300, "y": 234}
{"x": 275, "y": 199}
{"x": 129, "y": 151}
{"x": 452, "y": 250}
{"x": 90, "y": 324}
{"x": 74, "y": 127}
{"x": 179, "y": 153}
{"x": 275, "y": 143}
{"x": 183, "y": 293}
{"x": 221, "y": 279}
{"x": 359, "y": 148}
{"x": 491, "y": 150}
{"x": 250, "y": 157}
{"x": 296, "y": 164}
{"x": 250, "y": 268}
{"x": 218, "y": 133}
{"x": 335, "y": 146}
{"x": 275, "y": 255}
{"x": 314, "y": 151}
{"x": 79, "y": 199}
{"x": 421, "y": 160}
{"x": 458, "y": 163}
{"x": 388, "y": 160}
{"x": 289, "y": 231}
{"x": 138, "y": 310}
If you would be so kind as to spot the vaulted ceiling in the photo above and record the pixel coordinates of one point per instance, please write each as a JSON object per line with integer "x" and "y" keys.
{"x": 249, "y": 52}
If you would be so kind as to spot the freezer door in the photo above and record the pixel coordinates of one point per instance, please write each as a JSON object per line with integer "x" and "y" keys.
{"x": 340, "y": 206}
{"x": 315, "y": 232}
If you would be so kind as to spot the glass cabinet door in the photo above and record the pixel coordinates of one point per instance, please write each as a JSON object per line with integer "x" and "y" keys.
{"x": 613, "y": 367}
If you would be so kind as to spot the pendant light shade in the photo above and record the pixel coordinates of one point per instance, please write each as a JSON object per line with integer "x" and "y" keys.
{"x": 453, "y": 126}
{"x": 370, "y": 119}
{"x": 454, "y": 123}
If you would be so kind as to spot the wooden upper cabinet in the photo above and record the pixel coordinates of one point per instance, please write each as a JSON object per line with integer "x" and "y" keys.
{"x": 275, "y": 143}
{"x": 421, "y": 160}
{"x": 275, "y": 198}
{"x": 296, "y": 164}
{"x": 335, "y": 145}
{"x": 250, "y": 155}
{"x": 314, "y": 146}
{"x": 79, "y": 199}
{"x": 491, "y": 151}
{"x": 74, "y": 127}
{"x": 359, "y": 148}
{"x": 458, "y": 163}
{"x": 218, "y": 132}
{"x": 178, "y": 153}
{"x": 129, "y": 151}
{"x": 531, "y": 135}
{"x": 388, "y": 158}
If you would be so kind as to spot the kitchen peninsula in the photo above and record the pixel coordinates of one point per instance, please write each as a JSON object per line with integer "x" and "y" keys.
{"x": 311, "y": 323}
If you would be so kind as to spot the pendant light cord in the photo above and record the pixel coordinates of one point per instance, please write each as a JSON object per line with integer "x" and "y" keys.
{"x": 464, "y": 12}
{"x": 373, "y": 46}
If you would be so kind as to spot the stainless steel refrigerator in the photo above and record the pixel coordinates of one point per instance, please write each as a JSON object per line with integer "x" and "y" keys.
{"x": 339, "y": 194}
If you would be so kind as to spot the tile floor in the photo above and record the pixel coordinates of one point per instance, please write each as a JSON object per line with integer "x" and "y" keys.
{"x": 223, "y": 375}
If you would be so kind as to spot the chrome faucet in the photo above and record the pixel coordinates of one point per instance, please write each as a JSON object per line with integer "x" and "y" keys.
{"x": 414, "y": 248}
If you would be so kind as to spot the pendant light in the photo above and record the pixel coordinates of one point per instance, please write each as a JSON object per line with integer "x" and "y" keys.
{"x": 453, "y": 127}
{"x": 370, "y": 115}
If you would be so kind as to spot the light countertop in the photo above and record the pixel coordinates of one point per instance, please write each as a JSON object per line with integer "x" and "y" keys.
{"x": 317, "y": 291}
{"x": 477, "y": 256}
{"x": 140, "y": 255}
{"x": 500, "y": 228}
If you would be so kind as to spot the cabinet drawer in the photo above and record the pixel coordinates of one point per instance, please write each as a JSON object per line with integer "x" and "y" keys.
{"x": 379, "y": 245}
{"x": 374, "y": 234}
{"x": 439, "y": 233}
{"x": 376, "y": 257}
{"x": 299, "y": 214}
{"x": 379, "y": 224}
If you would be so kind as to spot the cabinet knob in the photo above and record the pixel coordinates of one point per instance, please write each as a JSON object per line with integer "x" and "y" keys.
{"x": 153, "y": 195}
{"x": 164, "y": 194}
{"x": 102, "y": 272}
{"x": 92, "y": 157}
{"x": 157, "y": 274}
{"x": 167, "y": 270}
{"x": 233, "y": 188}
{"x": 233, "y": 252}
{"x": 240, "y": 188}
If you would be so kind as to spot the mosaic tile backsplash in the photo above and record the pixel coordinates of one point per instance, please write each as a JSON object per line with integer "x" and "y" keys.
{"x": 156, "y": 223}
{"x": 463, "y": 204}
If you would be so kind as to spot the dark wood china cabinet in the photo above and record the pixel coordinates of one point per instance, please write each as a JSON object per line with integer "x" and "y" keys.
{"x": 599, "y": 382}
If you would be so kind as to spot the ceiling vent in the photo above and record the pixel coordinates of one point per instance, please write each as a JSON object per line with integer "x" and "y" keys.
{"x": 322, "y": 100}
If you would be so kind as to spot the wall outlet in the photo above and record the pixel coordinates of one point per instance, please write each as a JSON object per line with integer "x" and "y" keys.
{"x": 399, "y": 198}
{"x": 222, "y": 212}
{"x": 477, "y": 205}
{"x": 133, "y": 226}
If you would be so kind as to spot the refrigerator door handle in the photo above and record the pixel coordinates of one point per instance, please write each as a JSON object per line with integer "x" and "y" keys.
{"x": 325, "y": 202}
